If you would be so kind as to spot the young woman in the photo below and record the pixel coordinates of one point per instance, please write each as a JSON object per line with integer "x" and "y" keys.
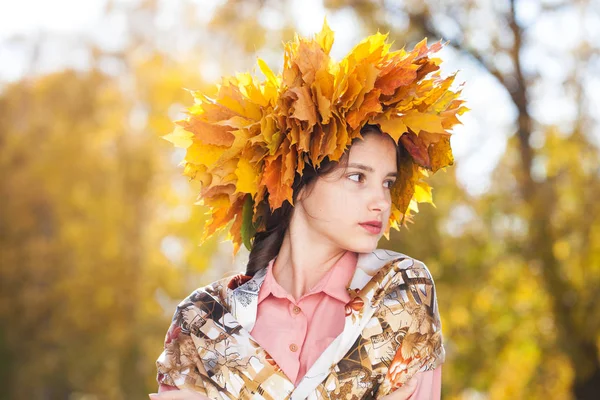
{"x": 320, "y": 311}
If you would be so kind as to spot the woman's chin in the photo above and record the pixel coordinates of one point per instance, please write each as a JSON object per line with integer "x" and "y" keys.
{"x": 365, "y": 246}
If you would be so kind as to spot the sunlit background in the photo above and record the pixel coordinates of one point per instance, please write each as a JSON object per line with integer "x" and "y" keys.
{"x": 99, "y": 237}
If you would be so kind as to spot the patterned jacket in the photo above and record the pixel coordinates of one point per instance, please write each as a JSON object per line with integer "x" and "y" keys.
{"x": 392, "y": 331}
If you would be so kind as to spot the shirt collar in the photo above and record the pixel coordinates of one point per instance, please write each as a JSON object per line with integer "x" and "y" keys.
{"x": 334, "y": 283}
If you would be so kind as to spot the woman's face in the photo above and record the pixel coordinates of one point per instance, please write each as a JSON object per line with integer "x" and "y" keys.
{"x": 346, "y": 206}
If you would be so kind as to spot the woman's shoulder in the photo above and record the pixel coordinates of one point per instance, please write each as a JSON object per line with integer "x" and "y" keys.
{"x": 411, "y": 286}
{"x": 213, "y": 292}
{"x": 380, "y": 257}
{"x": 218, "y": 293}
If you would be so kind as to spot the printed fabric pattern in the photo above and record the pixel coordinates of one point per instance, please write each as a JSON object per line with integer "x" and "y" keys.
{"x": 392, "y": 331}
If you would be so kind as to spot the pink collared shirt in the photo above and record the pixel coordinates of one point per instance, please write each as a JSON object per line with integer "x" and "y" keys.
{"x": 295, "y": 333}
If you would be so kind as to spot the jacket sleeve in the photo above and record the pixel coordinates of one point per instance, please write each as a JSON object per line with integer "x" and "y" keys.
{"x": 434, "y": 353}
{"x": 179, "y": 366}
{"x": 417, "y": 326}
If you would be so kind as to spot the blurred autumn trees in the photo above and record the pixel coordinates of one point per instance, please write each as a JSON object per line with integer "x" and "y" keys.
{"x": 98, "y": 234}
{"x": 95, "y": 247}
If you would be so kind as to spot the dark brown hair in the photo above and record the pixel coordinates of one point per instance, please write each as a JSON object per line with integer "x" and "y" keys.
{"x": 266, "y": 244}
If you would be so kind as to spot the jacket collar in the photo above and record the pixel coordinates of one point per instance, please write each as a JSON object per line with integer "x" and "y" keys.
{"x": 243, "y": 300}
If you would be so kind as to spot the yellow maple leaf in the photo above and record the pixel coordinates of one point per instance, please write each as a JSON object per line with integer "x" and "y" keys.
{"x": 440, "y": 154}
{"x": 209, "y": 133}
{"x": 423, "y": 193}
{"x": 179, "y": 137}
{"x": 304, "y": 106}
{"x": 370, "y": 106}
{"x": 219, "y": 209}
{"x": 271, "y": 78}
{"x": 325, "y": 37}
{"x": 207, "y": 154}
{"x": 418, "y": 122}
{"x": 393, "y": 126}
{"x": 246, "y": 177}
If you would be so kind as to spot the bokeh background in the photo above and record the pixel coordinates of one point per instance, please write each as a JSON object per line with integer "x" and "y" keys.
{"x": 99, "y": 237}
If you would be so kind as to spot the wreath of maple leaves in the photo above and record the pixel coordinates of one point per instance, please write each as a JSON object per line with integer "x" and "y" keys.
{"x": 246, "y": 144}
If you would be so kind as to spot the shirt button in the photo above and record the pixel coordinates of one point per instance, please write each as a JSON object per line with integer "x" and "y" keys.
{"x": 293, "y": 347}
{"x": 296, "y": 310}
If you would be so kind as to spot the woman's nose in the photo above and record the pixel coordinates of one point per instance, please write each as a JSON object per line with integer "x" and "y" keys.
{"x": 381, "y": 200}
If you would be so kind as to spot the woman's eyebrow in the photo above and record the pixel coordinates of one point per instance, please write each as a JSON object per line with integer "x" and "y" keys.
{"x": 369, "y": 169}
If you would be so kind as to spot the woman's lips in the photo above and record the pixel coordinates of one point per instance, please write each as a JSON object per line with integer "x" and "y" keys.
{"x": 371, "y": 228}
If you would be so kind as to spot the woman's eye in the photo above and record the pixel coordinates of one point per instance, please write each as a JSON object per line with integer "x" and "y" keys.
{"x": 359, "y": 177}
{"x": 389, "y": 184}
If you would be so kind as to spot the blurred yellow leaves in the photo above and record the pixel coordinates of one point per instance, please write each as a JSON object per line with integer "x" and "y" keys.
{"x": 561, "y": 249}
{"x": 85, "y": 264}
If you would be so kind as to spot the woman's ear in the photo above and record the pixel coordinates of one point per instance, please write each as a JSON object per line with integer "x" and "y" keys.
{"x": 300, "y": 195}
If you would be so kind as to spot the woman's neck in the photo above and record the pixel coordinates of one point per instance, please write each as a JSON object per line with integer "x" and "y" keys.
{"x": 302, "y": 261}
